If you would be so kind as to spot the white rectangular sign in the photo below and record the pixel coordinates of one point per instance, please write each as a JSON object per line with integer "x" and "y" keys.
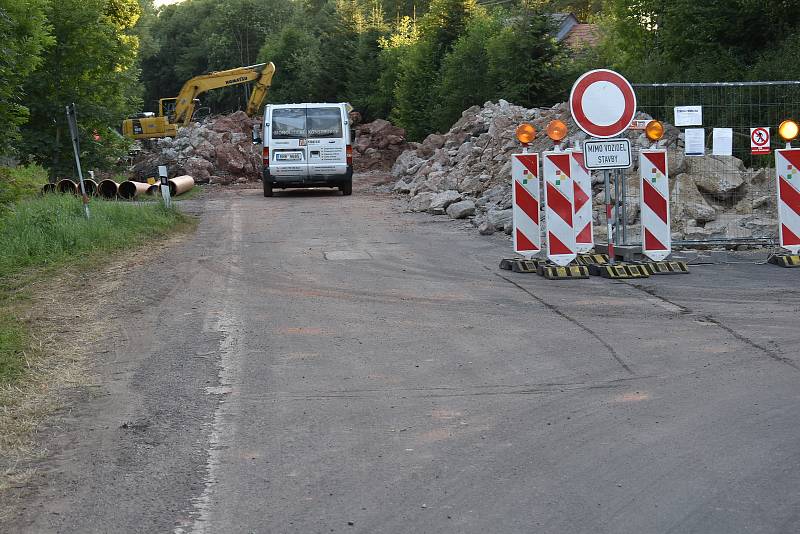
{"x": 695, "y": 141}
{"x": 607, "y": 154}
{"x": 688, "y": 116}
{"x": 722, "y": 142}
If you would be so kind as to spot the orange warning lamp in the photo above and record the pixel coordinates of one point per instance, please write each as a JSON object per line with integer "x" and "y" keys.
{"x": 556, "y": 130}
{"x": 788, "y": 130}
{"x": 654, "y": 130}
{"x": 525, "y": 133}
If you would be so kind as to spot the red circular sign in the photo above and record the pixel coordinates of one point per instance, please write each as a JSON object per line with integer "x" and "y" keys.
{"x": 759, "y": 136}
{"x": 602, "y": 103}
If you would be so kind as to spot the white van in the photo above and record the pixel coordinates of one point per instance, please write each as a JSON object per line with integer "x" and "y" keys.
{"x": 307, "y": 145}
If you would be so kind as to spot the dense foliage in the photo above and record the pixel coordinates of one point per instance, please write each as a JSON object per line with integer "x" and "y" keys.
{"x": 66, "y": 51}
{"x": 418, "y": 62}
{"x": 686, "y": 40}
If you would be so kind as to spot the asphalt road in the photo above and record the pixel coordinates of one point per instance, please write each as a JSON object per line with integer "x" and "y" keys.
{"x": 312, "y": 363}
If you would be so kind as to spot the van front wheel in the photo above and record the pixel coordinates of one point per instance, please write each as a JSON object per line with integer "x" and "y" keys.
{"x": 267, "y": 188}
{"x": 347, "y": 188}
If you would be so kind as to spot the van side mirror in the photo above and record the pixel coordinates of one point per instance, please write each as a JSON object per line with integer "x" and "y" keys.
{"x": 256, "y": 136}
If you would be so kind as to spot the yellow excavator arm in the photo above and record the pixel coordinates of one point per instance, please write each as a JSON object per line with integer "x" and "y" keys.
{"x": 184, "y": 104}
{"x": 166, "y": 124}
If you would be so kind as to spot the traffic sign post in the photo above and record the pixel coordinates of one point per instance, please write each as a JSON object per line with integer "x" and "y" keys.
{"x": 759, "y": 141}
{"x": 787, "y": 173}
{"x": 582, "y": 202}
{"x": 525, "y": 201}
{"x": 558, "y": 194}
{"x": 654, "y": 199}
{"x": 603, "y": 105}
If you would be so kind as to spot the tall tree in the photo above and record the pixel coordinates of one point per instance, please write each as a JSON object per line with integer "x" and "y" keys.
{"x": 25, "y": 32}
{"x": 93, "y": 64}
{"x": 416, "y": 101}
{"x": 684, "y": 40}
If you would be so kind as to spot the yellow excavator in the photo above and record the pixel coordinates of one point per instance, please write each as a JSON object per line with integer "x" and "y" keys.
{"x": 178, "y": 111}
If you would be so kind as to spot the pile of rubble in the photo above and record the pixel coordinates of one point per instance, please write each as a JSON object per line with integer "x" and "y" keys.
{"x": 220, "y": 150}
{"x": 377, "y": 145}
{"x": 465, "y": 173}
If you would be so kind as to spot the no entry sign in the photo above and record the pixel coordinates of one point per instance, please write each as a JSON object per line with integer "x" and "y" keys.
{"x": 759, "y": 140}
{"x": 602, "y": 103}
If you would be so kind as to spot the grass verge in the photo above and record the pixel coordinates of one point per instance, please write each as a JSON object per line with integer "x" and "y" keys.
{"x": 50, "y": 230}
{"x": 39, "y": 235}
{"x": 46, "y": 248}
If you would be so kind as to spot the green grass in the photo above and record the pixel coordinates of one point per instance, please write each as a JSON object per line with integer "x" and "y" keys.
{"x": 17, "y": 183}
{"x": 41, "y": 234}
{"x": 52, "y": 229}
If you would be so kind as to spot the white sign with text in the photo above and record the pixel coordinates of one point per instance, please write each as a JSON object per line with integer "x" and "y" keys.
{"x": 607, "y": 154}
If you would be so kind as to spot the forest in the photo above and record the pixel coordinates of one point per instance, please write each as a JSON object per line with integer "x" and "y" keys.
{"x": 418, "y": 63}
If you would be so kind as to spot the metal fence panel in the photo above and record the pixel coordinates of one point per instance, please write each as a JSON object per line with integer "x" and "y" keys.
{"x": 716, "y": 199}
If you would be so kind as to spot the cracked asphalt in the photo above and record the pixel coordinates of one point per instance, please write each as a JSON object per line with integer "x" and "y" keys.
{"x": 312, "y": 363}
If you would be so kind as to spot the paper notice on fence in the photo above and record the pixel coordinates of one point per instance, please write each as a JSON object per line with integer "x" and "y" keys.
{"x": 695, "y": 141}
{"x": 723, "y": 142}
{"x": 688, "y": 115}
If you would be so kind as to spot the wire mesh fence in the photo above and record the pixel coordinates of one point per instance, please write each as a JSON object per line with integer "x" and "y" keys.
{"x": 715, "y": 199}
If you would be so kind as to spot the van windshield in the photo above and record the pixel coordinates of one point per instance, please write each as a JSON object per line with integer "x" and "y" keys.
{"x": 311, "y": 123}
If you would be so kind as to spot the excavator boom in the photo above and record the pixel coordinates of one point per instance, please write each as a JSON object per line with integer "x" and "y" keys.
{"x": 260, "y": 90}
{"x": 167, "y": 124}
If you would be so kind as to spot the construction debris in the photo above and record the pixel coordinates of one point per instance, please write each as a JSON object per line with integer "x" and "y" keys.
{"x": 712, "y": 196}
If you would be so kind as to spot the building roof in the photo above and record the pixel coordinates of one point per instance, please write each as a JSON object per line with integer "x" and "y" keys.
{"x": 583, "y": 36}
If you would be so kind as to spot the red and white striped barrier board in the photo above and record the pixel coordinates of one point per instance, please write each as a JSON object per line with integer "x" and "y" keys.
{"x": 654, "y": 197}
{"x": 525, "y": 200}
{"x": 787, "y": 171}
{"x": 582, "y": 202}
{"x": 558, "y": 195}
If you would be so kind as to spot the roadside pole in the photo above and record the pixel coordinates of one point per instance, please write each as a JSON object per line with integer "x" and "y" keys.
{"x": 609, "y": 225}
{"x": 162, "y": 174}
{"x": 72, "y": 121}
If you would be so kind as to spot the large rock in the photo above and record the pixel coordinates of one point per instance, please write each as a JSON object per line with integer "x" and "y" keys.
{"x": 402, "y": 187}
{"x": 461, "y": 210}
{"x": 441, "y": 200}
{"x": 421, "y": 202}
{"x": 499, "y": 218}
{"x": 687, "y": 202}
{"x": 230, "y": 159}
{"x": 199, "y": 168}
{"x": 719, "y": 176}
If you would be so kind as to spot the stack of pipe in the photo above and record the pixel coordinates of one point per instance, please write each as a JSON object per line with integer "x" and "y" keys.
{"x": 129, "y": 190}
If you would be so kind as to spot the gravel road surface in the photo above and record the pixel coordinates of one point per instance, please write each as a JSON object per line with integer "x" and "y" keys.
{"x": 313, "y": 363}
